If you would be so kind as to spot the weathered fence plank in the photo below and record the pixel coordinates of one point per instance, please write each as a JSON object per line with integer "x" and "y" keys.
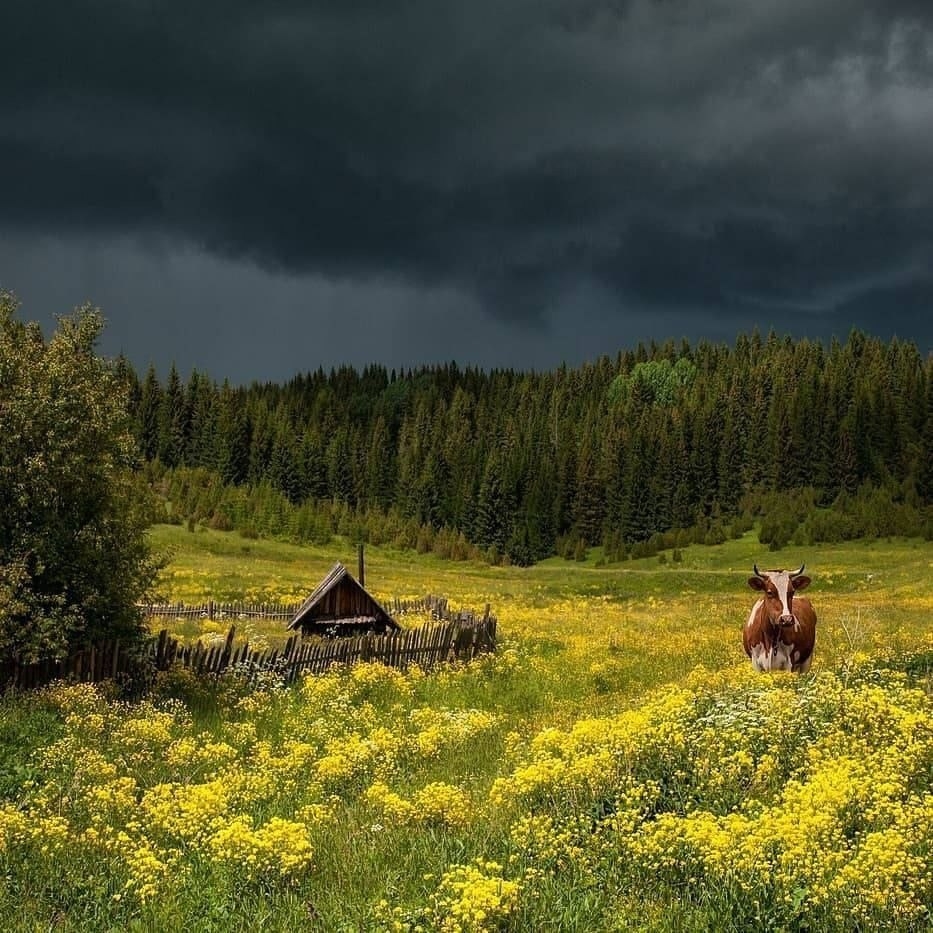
{"x": 211, "y": 610}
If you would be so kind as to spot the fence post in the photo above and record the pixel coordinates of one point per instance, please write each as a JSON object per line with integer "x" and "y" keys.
{"x": 228, "y": 648}
{"x": 161, "y": 649}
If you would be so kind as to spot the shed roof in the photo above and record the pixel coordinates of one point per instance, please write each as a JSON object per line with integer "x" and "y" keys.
{"x": 340, "y": 598}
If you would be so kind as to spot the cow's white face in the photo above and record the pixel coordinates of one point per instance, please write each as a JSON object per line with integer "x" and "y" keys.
{"x": 779, "y": 587}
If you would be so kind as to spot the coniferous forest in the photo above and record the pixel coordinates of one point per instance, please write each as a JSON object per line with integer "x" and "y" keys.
{"x": 654, "y": 448}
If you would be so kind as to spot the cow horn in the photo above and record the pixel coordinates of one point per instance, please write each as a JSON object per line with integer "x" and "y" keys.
{"x": 758, "y": 573}
{"x": 797, "y": 573}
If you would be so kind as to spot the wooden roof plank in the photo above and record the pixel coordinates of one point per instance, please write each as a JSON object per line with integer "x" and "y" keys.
{"x": 326, "y": 594}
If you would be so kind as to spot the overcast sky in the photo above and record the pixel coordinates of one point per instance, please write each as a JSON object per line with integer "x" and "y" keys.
{"x": 257, "y": 189}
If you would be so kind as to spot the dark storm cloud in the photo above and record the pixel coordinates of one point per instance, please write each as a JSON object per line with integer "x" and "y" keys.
{"x": 676, "y": 154}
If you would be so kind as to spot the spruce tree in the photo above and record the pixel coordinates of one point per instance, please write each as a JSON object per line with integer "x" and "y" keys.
{"x": 925, "y": 470}
{"x": 171, "y": 417}
{"x": 150, "y": 407}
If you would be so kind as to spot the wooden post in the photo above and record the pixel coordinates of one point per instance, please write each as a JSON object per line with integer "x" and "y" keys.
{"x": 362, "y": 574}
{"x": 161, "y": 648}
{"x": 228, "y": 650}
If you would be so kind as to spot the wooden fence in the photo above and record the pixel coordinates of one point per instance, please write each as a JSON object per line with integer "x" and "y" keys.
{"x": 93, "y": 664}
{"x": 455, "y": 636}
{"x": 438, "y": 609}
{"x": 276, "y": 612}
{"x": 426, "y": 646}
{"x": 436, "y": 606}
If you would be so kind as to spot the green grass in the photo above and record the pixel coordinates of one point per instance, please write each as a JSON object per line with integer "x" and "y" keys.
{"x": 223, "y": 565}
{"x": 599, "y": 636}
{"x": 578, "y": 641}
{"x": 573, "y": 614}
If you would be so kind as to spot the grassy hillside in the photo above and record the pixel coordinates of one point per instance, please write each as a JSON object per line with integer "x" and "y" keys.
{"x": 616, "y": 765}
{"x": 641, "y": 623}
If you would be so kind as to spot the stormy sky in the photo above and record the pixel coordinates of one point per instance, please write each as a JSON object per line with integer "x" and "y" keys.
{"x": 257, "y": 189}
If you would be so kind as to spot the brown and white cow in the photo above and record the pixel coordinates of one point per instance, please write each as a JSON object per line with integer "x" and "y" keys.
{"x": 781, "y": 628}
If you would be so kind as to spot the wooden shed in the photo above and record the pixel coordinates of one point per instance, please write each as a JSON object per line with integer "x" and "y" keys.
{"x": 340, "y": 606}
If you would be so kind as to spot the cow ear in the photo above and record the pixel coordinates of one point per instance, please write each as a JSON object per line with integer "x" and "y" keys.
{"x": 801, "y": 583}
{"x": 756, "y": 583}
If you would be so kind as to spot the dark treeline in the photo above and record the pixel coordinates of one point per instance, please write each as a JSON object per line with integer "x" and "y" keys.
{"x": 525, "y": 464}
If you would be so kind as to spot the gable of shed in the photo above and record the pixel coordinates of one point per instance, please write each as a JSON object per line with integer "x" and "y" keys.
{"x": 340, "y": 598}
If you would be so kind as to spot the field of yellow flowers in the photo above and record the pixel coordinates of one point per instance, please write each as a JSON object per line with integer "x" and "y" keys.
{"x": 616, "y": 765}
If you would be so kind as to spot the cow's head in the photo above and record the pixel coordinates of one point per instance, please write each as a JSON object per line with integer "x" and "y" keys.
{"x": 779, "y": 587}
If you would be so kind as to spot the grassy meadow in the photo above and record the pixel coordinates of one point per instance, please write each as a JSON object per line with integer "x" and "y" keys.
{"x": 616, "y": 765}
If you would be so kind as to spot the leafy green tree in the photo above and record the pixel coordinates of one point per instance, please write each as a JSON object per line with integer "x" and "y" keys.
{"x": 654, "y": 381}
{"x": 74, "y": 556}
